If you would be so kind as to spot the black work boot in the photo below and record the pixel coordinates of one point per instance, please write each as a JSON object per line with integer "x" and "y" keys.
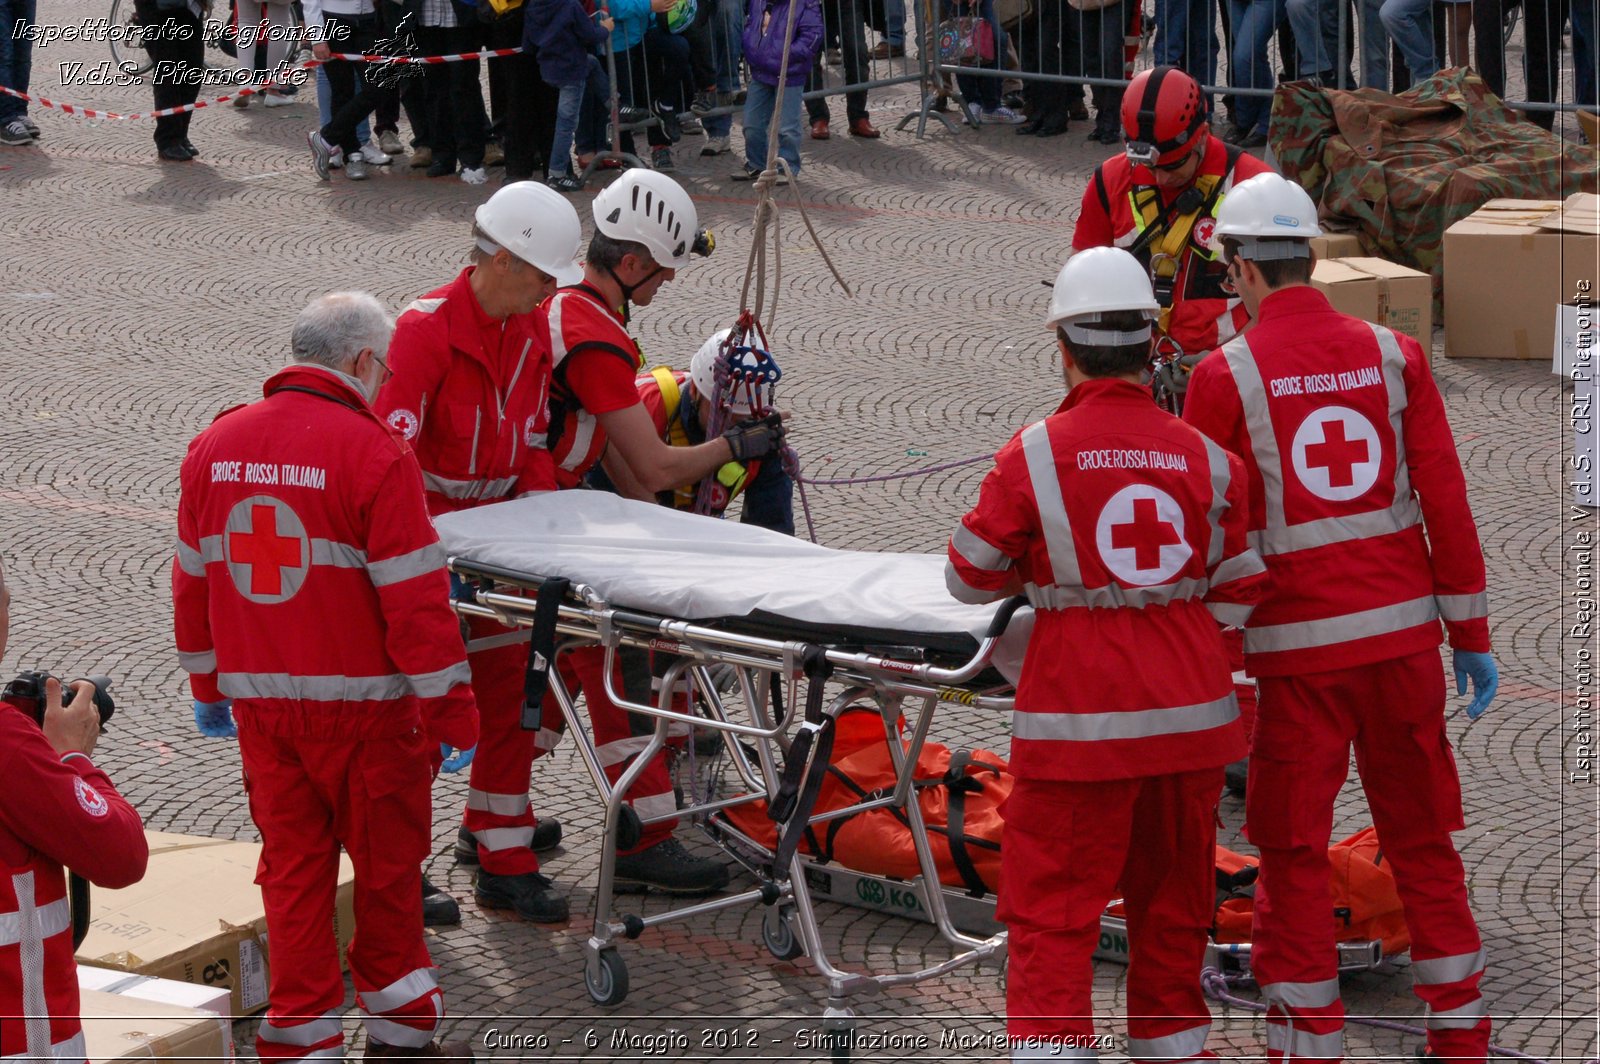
{"x": 669, "y": 867}
{"x": 531, "y": 895}
{"x": 432, "y": 1051}
{"x": 438, "y": 908}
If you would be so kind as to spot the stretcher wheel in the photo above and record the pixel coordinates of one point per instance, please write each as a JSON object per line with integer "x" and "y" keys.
{"x": 610, "y": 987}
{"x": 778, "y": 936}
{"x": 630, "y": 829}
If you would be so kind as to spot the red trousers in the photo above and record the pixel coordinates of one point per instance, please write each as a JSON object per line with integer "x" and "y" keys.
{"x": 619, "y": 737}
{"x": 1067, "y": 848}
{"x": 1392, "y": 712}
{"x": 310, "y": 797}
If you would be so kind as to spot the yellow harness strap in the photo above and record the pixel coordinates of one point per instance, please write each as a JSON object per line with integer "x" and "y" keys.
{"x": 1166, "y": 254}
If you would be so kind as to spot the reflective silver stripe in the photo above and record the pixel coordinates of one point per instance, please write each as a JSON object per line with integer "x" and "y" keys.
{"x": 398, "y": 1034}
{"x": 30, "y": 926}
{"x": 494, "y": 839}
{"x": 303, "y": 1034}
{"x": 1052, "y": 508}
{"x": 492, "y": 488}
{"x": 1180, "y": 1045}
{"x": 498, "y": 804}
{"x": 1230, "y": 613}
{"x": 73, "y": 1049}
{"x": 979, "y": 552}
{"x": 1218, "y": 460}
{"x": 502, "y": 639}
{"x": 1278, "y": 537}
{"x": 338, "y": 555}
{"x": 1463, "y": 1018}
{"x": 42, "y": 922}
{"x": 1300, "y": 1043}
{"x": 1134, "y": 724}
{"x": 1302, "y": 635}
{"x": 1112, "y": 596}
{"x": 1318, "y": 995}
{"x": 199, "y": 662}
{"x": 1448, "y": 969}
{"x": 655, "y": 805}
{"x": 1463, "y": 607}
{"x": 342, "y": 688}
{"x": 546, "y": 739}
{"x": 583, "y": 428}
{"x": 419, "y": 562}
{"x": 190, "y": 560}
{"x": 402, "y": 991}
{"x": 619, "y": 750}
{"x": 962, "y": 591}
{"x": 1238, "y": 567}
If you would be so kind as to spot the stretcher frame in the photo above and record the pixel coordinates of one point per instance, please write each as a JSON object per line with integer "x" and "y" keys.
{"x": 895, "y": 686}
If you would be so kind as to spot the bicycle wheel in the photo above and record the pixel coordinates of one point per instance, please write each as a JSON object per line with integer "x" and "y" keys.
{"x": 127, "y": 42}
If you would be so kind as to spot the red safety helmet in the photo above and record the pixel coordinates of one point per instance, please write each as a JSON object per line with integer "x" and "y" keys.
{"x": 1162, "y": 111}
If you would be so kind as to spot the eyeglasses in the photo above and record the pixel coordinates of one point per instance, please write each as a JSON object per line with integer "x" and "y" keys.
{"x": 1167, "y": 168}
{"x": 387, "y": 372}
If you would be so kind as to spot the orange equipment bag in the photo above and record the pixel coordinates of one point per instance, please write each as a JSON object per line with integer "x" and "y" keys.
{"x": 958, "y": 792}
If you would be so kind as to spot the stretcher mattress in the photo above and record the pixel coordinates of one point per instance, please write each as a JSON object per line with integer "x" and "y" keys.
{"x": 650, "y": 558}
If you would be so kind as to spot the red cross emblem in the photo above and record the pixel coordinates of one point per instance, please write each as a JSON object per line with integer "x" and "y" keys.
{"x": 1337, "y": 453}
{"x": 1140, "y": 536}
{"x": 267, "y": 552}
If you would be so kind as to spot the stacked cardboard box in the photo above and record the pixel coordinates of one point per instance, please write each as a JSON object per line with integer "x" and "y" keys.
{"x": 1381, "y": 292}
{"x": 122, "y": 1027}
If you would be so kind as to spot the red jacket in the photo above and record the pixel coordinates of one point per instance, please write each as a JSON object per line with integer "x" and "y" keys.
{"x": 1203, "y": 315}
{"x": 53, "y": 813}
{"x": 572, "y": 322}
{"x": 1340, "y": 524}
{"x": 471, "y": 395}
{"x": 309, "y": 585}
{"x": 1126, "y": 530}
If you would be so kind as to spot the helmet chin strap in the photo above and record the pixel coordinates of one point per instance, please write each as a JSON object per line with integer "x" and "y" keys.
{"x": 628, "y": 289}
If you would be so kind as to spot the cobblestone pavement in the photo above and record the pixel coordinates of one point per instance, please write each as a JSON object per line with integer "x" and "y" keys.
{"x": 139, "y": 298}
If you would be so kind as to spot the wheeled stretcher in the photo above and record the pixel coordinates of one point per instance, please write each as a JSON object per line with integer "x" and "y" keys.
{"x": 804, "y": 632}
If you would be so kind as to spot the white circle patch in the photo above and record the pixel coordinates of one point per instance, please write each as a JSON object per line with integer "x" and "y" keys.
{"x": 405, "y": 423}
{"x": 1336, "y": 453}
{"x": 1140, "y": 535}
{"x": 89, "y": 798}
{"x": 265, "y": 545}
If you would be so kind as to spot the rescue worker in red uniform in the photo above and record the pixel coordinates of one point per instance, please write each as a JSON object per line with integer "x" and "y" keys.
{"x": 645, "y": 229}
{"x": 309, "y": 591}
{"x": 58, "y": 810}
{"x": 470, "y": 391}
{"x": 1159, "y": 200}
{"x": 1360, "y": 512}
{"x": 1125, "y": 528}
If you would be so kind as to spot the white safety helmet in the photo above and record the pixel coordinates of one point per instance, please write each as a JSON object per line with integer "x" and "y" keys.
{"x": 1094, "y": 282}
{"x": 536, "y": 224}
{"x": 703, "y": 372}
{"x": 1270, "y": 216}
{"x": 649, "y": 208}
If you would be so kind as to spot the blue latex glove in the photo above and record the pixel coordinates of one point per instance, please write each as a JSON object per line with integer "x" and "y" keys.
{"x": 454, "y": 764}
{"x": 1485, "y": 679}
{"x": 215, "y": 719}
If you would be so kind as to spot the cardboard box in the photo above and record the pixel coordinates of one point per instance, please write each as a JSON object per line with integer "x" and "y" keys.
{"x": 214, "y": 999}
{"x": 119, "y": 1027}
{"x": 197, "y": 917}
{"x": 1336, "y": 246}
{"x": 1381, "y": 292}
{"x": 1507, "y": 264}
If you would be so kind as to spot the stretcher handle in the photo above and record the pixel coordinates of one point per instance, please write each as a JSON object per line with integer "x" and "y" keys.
{"x": 1002, "y": 616}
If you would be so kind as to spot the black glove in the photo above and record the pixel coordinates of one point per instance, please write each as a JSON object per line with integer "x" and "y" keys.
{"x": 1175, "y": 373}
{"x": 755, "y": 439}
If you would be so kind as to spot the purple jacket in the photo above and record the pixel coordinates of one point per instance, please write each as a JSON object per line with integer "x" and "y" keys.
{"x": 763, "y": 40}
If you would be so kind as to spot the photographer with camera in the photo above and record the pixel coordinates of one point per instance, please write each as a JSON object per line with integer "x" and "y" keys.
{"x": 57, "y": 811}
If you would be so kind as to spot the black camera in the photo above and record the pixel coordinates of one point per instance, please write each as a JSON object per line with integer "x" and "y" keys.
{"x": 26, "y": 692}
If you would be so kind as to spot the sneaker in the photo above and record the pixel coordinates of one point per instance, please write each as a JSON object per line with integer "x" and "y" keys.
{"x": 975, "y": 113}
{"x": 493, "y": 154}
{"x": 442, "y": 168}
{"x": 438, "y": 908}
{"x": 717, "y": 146}
{"x": 530, "y": 895}
{"x": 1253, "y": 139}
{"x": 389, "y": 143}
{"x": 276, "y": 99}
{"x": 321, "y": 154}
{"x": 33, "y": 127}
{"x": 474, "y": 175}
{"x": 241, "y": 102}
{"x": 546, "y": 837}
{"x": 421, "y": 157}
{"x": 669, "y": 867}
{"x": 565, "y": 183}
{"x": 669, "y": 123}
{"x": 661, "y": 159}
{"x": 835, "y": 57}
{"x": 690, "y": 125}
{"x": 15, "y": 133}
{"x": 704, "y": 101}
{"x": 375, "y": 155}
{"x": 632, "y": 116}
{"x": 432, "y": 1051}
{"x": 749, "y": 173}
{"x": 1004, "y": 116}
{"x": 355, "y": 167}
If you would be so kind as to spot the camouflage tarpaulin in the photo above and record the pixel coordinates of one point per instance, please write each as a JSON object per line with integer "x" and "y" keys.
{"x": 1403, "y": 169}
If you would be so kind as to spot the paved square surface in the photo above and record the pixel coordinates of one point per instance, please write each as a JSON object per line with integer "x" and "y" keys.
{"x": 140, "y": 298}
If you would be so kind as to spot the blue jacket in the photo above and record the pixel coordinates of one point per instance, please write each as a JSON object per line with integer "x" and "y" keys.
{"x": 564, "y": 35}
{"x": 763, "y": 40}
{"x": 633, "y": 18}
